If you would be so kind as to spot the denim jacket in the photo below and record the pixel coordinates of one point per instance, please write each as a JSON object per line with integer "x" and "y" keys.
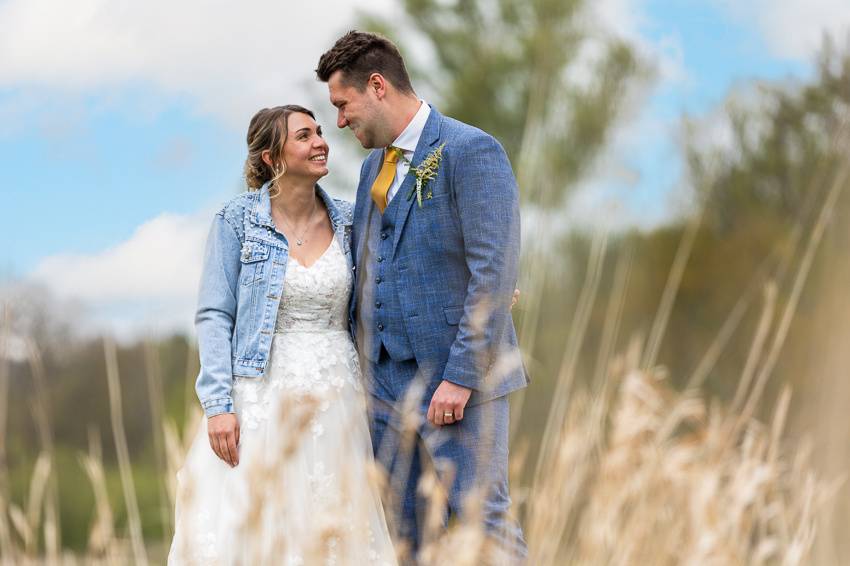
{"x": 241, "y": 285}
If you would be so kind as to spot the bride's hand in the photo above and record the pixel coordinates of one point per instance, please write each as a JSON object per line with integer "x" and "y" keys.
{"x": 223, "y": 431}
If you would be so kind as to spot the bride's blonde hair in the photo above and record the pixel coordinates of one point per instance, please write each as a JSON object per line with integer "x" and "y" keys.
{"x": 268, "y": 131}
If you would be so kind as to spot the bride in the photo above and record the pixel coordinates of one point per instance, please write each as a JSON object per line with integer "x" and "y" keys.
{"x": 280, "y": 472}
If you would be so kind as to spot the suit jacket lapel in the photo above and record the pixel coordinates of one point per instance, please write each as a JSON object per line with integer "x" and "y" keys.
{"x": 427, "y": 141}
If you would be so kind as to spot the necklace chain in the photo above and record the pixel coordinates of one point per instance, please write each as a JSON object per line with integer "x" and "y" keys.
{"x": 299, "y": 240}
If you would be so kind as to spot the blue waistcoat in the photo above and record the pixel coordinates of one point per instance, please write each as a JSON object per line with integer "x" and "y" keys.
{"x": 382, "y": 324}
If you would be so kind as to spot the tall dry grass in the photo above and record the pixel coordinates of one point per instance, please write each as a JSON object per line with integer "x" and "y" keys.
{"x": 6, "y": 548}
{"x": 635, "y": 473}
{"x": 133, "y": 519}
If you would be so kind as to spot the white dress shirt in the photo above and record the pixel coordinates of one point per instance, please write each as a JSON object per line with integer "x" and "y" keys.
{"x": 407, "y": 141}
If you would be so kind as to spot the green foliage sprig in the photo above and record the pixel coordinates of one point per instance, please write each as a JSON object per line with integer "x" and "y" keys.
{"x": 424, "y": 172}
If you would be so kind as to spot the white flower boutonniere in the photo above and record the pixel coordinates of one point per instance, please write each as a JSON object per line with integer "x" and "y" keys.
{"x": 424, "y": 172}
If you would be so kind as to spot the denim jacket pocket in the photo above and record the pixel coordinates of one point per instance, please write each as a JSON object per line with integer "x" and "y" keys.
{"x": 253, "y": 259}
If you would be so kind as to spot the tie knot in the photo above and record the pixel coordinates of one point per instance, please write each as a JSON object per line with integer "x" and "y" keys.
{"x": 392, "y": 154}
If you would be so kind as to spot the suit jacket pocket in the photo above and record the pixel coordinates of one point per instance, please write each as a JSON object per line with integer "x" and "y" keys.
{"x": 453, "y": 314}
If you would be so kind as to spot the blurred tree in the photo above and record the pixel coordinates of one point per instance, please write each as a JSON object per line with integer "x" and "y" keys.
{"x": 763, "y": 194}
{"x": 760, "y": 194}
{"x": 532, "y": 73}
{"x": 74, "y": 391}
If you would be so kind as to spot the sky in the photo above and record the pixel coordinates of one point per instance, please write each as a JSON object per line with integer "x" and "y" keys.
{"x": 122, "y": 126}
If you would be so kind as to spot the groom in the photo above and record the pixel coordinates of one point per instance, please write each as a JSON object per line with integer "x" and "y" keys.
{"x": 436, "y": 249}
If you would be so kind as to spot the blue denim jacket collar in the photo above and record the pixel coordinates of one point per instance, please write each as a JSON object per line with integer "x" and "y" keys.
{"x": 262, "y": 213}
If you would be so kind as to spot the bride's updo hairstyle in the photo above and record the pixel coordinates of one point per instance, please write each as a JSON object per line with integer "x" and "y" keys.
{"x": 268, "y": 131}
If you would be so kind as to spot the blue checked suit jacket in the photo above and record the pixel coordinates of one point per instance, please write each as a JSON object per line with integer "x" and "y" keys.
{"x": 455, "y": 260}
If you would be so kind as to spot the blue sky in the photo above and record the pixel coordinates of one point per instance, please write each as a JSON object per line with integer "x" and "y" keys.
{"x": 81, "y": 186}
{"x": 120, "y": 131}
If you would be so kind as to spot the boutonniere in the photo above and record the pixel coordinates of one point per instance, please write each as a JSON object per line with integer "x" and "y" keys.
{"x": 424, "y": 172}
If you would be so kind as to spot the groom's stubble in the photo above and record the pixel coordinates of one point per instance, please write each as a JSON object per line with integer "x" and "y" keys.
{"x": 372, "y": 129}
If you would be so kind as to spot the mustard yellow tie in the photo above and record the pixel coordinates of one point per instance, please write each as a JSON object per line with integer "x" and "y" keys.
{"x": 385, "y": 177}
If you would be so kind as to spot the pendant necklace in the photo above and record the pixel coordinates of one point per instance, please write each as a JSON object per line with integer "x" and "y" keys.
{"x": 299, "y": 240}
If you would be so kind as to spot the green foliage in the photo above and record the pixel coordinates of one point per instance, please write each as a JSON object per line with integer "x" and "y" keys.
{"x": 76, "y": 379}
{"x": 78, "y": 399}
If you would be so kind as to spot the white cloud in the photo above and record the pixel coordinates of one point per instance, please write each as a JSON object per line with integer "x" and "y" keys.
{"x": 231, "y": 58}
{"x": 148, "y": 282}
{"x": 794, "y": 29}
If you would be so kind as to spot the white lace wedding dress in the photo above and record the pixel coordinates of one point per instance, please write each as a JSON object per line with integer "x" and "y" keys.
{"x": 303, "y": 492}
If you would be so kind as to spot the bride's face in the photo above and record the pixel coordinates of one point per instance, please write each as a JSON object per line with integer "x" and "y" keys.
{"x": 305, "y": 151}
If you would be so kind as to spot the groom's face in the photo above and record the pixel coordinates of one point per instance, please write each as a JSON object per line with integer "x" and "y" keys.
{"x": 359, "y": 111}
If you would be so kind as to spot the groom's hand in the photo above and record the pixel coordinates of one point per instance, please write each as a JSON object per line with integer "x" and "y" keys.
{"x": 448, "y": 398}
{"x": 514, "y": 299}
{"x": 223, "y": 431}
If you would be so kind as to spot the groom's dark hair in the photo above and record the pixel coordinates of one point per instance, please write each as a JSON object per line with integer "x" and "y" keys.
{"x": 359, "y": 54}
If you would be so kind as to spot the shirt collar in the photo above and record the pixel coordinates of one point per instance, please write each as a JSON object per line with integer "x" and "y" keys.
{"x": 409, "y": 138}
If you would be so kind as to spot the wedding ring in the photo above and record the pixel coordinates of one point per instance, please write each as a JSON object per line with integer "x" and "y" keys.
{"x": 448, "y": 415}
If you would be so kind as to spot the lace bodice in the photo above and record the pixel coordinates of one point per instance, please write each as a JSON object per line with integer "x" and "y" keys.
{"x": 315, "y": 298}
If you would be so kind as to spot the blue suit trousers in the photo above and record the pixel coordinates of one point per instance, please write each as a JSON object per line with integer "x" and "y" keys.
{"x": 470, "y": 457}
